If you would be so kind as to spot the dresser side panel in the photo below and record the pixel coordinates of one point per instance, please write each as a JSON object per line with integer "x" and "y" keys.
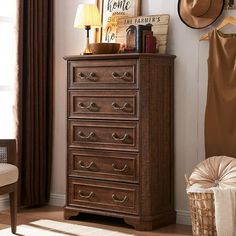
{"x": 161, "y": 135}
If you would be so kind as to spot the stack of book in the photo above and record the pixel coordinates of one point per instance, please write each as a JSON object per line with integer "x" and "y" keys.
{"x": 145, "y": 42}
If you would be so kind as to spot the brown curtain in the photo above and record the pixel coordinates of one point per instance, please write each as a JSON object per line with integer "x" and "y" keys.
{"x": 35, "y": 100}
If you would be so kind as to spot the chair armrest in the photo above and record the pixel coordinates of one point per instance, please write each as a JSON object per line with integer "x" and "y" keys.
{"x": 8, "y": 151}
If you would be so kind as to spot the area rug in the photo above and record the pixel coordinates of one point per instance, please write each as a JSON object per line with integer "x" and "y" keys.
{"x": 57, "y": 228}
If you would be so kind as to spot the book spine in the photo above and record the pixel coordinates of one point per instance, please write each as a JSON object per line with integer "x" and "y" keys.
{"x": 139, "y": 40}
{"x": 154, "y": 44}
{"x": 144, "y": 41}
{"x": 148, "y": 43}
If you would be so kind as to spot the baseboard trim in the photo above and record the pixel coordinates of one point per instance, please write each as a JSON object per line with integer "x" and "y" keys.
{"x": 183, "y": 217}
{"x": 57, "y": 199}
{"x": 4, "y": 202}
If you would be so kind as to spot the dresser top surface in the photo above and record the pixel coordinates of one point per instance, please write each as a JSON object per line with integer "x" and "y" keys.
{"x": 117, "y": 56}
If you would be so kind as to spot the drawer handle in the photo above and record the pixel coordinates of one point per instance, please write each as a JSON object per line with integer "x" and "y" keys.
{"x": 115, "y": 199}
{"x": 117, "y": 138}
{"x": 115, "y": 75}
{"x": 119, "y": 170}
{"x": 83, "y": 166}
{"x": 83, "y": 136}
{"x": 87, "y": 196}
{"x": 91, "y": 106}
{"x": 90, "y": 76}
{"x": 117, "y": 107}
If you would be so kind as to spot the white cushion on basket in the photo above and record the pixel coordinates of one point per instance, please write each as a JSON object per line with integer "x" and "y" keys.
{"x": 217, "y": 171}
{"x": 8, "y": 174}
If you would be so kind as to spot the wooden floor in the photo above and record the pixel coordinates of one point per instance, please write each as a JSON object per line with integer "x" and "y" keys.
{"x": 55, "y": 213}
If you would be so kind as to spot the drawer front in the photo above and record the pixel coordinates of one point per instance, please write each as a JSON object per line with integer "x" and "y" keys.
{"x": 103, "y": 74}
{"x": 118, "y": 166}
{"x": 104, "y": 135}
{"x": 103, "y": 104}
{"x": 103, "y": 195}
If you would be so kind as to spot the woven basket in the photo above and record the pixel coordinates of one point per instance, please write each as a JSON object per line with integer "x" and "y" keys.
{"x": 214, "y": 172}
{"x": 202, "y": 213}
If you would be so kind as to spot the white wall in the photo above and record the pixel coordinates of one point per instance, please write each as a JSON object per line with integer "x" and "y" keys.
{"x": 190, "y": 92}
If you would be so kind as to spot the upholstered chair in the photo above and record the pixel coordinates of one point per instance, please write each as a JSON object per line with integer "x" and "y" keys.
{"x": 9, "y": 176}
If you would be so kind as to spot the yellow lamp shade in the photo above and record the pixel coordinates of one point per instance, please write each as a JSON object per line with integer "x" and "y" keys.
{"x": 87, "y": 15}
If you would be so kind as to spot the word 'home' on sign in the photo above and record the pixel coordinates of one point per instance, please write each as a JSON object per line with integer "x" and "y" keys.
{"x": 114, "y": 5}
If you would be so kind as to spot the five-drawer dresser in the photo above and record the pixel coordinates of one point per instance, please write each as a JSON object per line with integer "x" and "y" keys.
{"x": 120, "y": 158}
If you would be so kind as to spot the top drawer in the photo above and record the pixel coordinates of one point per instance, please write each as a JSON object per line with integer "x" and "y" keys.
{"x": 103, "y": 74}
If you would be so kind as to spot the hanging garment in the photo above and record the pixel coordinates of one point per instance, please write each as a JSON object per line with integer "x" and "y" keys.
{"x": 220, "y": 116}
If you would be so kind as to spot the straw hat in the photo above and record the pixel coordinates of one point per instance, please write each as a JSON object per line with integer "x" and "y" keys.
{"x": 198, "y": 14}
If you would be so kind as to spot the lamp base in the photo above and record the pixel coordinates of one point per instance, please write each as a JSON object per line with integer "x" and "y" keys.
{"x": 87, "y": 51}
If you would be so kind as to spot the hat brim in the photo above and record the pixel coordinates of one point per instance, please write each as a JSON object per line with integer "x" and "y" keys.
{"x": 207, "y": 19}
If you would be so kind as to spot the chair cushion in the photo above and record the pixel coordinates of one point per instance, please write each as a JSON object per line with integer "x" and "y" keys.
{"x": 8, "y": 174}
{"x": 217, "y": 171}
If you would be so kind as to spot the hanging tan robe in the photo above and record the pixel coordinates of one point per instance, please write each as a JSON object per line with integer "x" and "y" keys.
{"x": 220, "y": 116}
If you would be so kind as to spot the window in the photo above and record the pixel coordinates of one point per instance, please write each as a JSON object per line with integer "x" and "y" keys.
{"x": 7, "y": 67}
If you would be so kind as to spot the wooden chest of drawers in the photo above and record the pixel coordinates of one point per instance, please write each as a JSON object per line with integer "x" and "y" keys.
{"x": 120, "y": 138}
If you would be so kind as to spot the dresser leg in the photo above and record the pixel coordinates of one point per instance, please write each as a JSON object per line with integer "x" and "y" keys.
{"x": 68, "y": 213}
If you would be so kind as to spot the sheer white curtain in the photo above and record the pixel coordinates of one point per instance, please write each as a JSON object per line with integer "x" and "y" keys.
{"x": 8, "y": 45}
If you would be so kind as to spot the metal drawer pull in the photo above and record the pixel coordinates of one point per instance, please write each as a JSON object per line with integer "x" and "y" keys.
{"x": 90, "y": 76}
{"x": 82, "y": 135}
{"x": 82, "y": 165}
{"x": 115, "y": 75}
{"x": 91, "y": 106}
{"x": 117, "y": 138}
{"x": 115, "y": 199}
{"x": 124, "y": 108}
{"x": 82, "y": 195}
{"x": 119, "y": 170}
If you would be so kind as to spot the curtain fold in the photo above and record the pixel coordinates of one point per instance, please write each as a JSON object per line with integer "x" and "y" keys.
{"x": 35, "y": 100}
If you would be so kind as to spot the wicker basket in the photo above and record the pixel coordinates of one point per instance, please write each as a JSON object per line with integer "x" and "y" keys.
{"x": 213, "y": 172}
{"x": 202, "y": 213}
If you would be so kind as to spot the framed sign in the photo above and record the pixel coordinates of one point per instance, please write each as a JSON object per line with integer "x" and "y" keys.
{"x": 111, "y": 11}
{"x": 159, "y": 25}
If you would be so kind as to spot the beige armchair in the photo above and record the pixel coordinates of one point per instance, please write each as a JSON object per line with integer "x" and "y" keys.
{"x": 9, "y": 176}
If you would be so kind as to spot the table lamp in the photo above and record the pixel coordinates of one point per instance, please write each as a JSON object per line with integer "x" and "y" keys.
{"x": 87, "y": 16}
